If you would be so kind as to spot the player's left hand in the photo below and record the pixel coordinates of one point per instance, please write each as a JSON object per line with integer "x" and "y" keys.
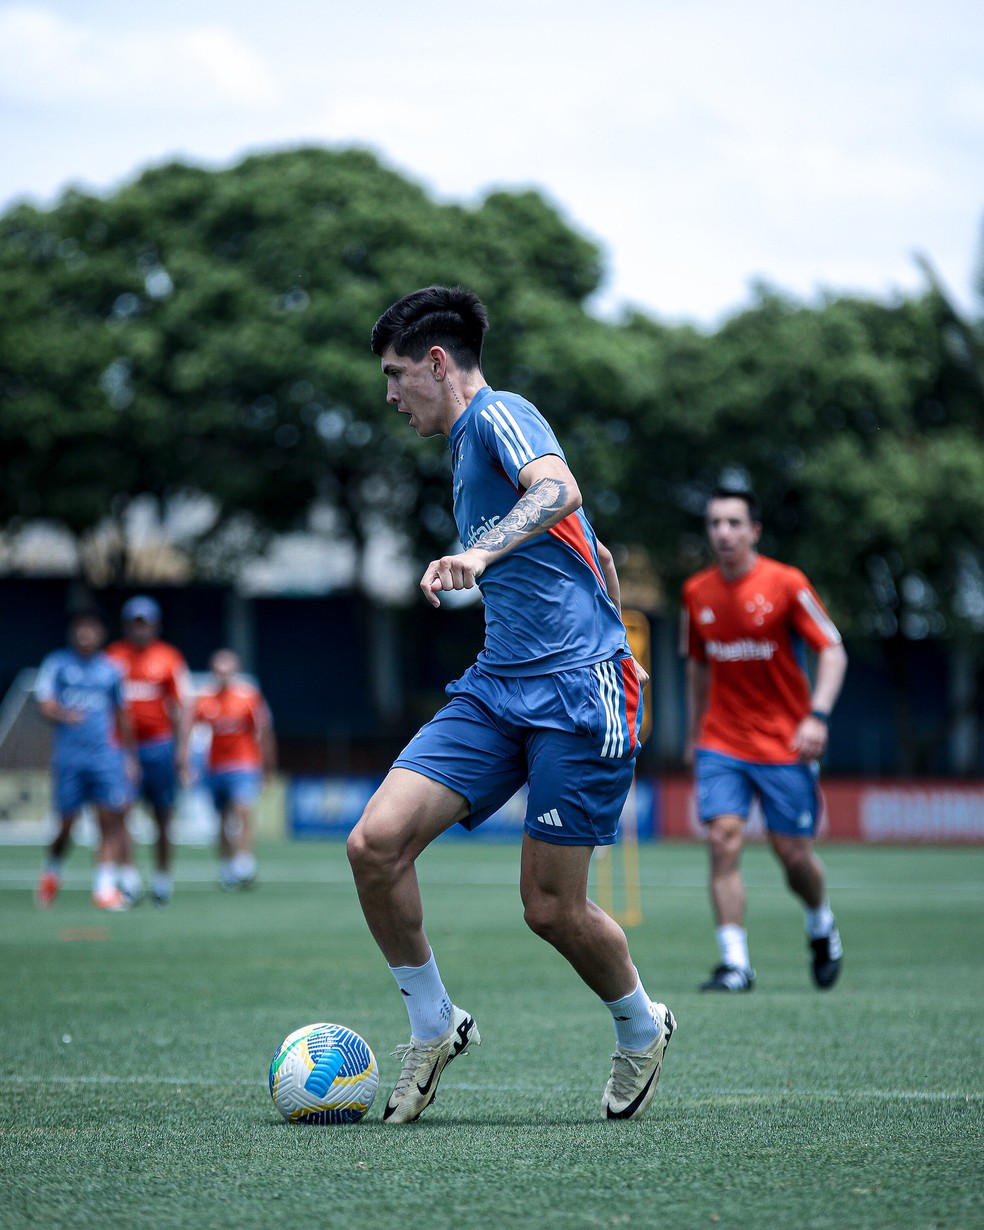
{"x": 641, "y": 673}
{"x": 452, "y": 572}
{"x": 810, "y": 740}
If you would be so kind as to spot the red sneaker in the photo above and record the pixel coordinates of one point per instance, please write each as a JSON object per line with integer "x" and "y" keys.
{"x": 47, "y": 890}
{"x": 111, "y": 899}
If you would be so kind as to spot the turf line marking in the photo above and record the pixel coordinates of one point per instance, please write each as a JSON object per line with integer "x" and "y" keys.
{"x": 909, "y": 1095}
{"x": 330, "y": 877}
{"x": 771, "y": 1095}
{"x": 105, "y": 1079}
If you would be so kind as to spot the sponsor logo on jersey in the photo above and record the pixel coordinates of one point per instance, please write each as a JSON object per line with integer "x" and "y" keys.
{"x": 475, "y": 532}
{"x": 706, "y": 616}
{"x": 745, "y": 650}
{"x": 140, "y": 689}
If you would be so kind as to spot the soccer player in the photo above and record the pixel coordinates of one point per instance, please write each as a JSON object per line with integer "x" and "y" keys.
{"x": 554, "y": 701}
{"x": 242, "y": 751}
{"x": 755, "y": 728}
{"x": 80, "y": 691}
{"x": 156, "y": 691}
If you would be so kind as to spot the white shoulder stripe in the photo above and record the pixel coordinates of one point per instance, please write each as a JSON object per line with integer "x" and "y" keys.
{"x": 508, "y": 416}
{"x": 510, "y": 445}
{"x": 819, "y": 616}
{"x": 510, "y": 431}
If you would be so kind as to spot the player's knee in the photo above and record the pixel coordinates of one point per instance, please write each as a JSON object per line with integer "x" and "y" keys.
{"x": 363, "y": 853}
{"x": 724, "y": 840}
{"x": 545, "y": 917}
{"x": 796, "y": 857}
{"x": 374, "y": 848}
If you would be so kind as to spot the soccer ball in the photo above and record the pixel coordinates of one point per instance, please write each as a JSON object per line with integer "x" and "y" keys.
{"x": 323, "y": 1074}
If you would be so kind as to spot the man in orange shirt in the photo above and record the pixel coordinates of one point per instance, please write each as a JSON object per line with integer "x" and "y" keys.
{"x": 155, "y": 688}
{"x": 756, "y": 729}
{"x": 242, "y": 751}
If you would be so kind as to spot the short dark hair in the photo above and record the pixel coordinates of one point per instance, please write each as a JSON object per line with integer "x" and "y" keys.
{"x": 447, "y": 316}
{"x": 85, "y": 615}
{"x": 739, "y": 493}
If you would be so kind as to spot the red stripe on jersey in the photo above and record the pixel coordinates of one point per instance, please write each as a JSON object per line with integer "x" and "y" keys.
{"x": 570, "y": 531}
{"x": 633, "y": 699}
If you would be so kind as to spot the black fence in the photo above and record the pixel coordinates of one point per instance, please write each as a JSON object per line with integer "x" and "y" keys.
{"x": 350, "y": 681}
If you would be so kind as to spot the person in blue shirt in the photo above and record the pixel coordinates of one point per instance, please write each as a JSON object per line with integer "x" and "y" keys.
{"x": 80, "y": 691}
{"x": 553, "y": 703}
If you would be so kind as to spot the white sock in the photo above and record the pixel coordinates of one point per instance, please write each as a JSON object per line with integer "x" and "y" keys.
{"x": 104, "y": 878}
{"x": 162, "y": 884}
{"x": 243, "y": 865}
{"x": 427, "y": 1002}
{"x": 130, "y": 880}
{"x": 635, "y": 1025}
{"x": 733, "y": 943}
{"x": 819, "y": 922}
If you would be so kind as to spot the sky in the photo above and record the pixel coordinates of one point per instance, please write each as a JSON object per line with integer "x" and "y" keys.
{"x": 704, "y": 145}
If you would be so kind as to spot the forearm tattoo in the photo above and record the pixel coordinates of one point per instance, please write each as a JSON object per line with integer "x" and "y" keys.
{"x": 538, "y": 509}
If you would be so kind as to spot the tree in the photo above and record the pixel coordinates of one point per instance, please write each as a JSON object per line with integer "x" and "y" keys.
{"x": 859, "y": 426}
{"x": 205, "y": 334}
{"x": 200, "y": 340}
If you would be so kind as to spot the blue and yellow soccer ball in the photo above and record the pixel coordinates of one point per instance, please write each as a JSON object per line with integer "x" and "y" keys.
{"x": 323, "y": 1074}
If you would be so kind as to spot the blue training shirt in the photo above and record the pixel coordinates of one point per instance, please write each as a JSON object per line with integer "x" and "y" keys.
{"x": 546, "y": 604}
{"x": 92, "y": 685}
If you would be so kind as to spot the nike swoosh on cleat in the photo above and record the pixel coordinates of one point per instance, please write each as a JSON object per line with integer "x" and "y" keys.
{"x": 633, "y": 1106}
{"x": 425, "y": 1088}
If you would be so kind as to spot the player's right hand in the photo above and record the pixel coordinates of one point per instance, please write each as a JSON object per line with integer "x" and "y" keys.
{"x": 452, "y": 572}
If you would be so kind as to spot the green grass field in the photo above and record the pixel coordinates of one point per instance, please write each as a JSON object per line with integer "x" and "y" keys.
{"x": 136, "y": 1047}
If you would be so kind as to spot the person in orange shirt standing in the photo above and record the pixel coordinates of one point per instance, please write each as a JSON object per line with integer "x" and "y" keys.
{"x": 242, "y": 751}
{"x": 157, "y": 697}
{"x": 756, "y": 729}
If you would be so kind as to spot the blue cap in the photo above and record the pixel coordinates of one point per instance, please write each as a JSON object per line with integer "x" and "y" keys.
{"x": 141, "y": 607}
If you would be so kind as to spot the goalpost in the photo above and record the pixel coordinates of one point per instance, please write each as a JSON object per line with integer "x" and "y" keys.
{"x": 26, "y": 804}
{"x": 25, "y": 752}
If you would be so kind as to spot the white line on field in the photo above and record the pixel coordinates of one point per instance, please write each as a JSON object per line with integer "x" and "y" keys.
{"x": 478, "y": 877}
{"x": 908, "y": 1095}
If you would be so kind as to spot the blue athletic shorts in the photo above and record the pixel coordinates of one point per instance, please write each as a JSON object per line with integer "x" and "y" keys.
{"x": 234, "y": 786}
{"x": 565, "y": 735}
{"x": 101, "y": 781}
{"x": 158, "y": 773}
{"x": 788, "y": 793}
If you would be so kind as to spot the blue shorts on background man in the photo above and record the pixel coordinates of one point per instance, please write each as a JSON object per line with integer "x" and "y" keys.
{"x": 788, "y": 793}
{"x": 101, "y": 782}
{"x": 158, "y": 773}
{"x": 231, "y": 786}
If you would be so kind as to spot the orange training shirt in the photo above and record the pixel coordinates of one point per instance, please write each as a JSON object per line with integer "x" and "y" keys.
{"x": 236, "y": 714}
{"x": 751, "y": 632}
{"x": 153, "y": 676}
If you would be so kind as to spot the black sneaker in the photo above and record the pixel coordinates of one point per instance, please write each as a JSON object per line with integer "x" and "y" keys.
{"x": 828, "y": 953}
{"x": 729, "y": 978}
